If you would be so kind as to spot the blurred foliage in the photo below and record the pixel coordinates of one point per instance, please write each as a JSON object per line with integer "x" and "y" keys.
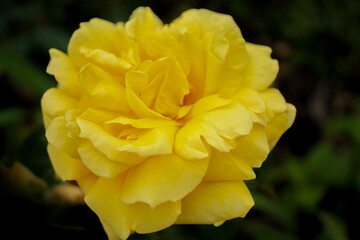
{"x": 309, "y": 188}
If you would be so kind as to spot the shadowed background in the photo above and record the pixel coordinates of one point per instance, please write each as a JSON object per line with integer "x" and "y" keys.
{"x": 308, "y": 188}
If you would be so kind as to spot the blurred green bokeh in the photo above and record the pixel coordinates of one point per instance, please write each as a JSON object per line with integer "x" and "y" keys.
{"x": 309, "y": 188}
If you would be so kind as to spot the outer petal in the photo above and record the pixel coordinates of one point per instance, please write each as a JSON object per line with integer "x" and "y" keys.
{"x": 95, "y": 34}
{"x": 161, "y": 179}
{"x": 253, "y": 148}
{"x": 55, "y": 102}
{"x": 66, "y": 167}
{"x": 251, "y": 99}
{"x": 105, "y": 60}
{"x": 274, "y": 102}
{"x": 228, "y": 167}
{"x": 103, "y": 199}
{"x": 262, "y": 69}
{"x": 56, "y": 135}
{"x": 217, "y": 127}
{"x": 65, "y": 72}
{"x": 98, "y": 163}
{"x": 202, "y": 21}
{"x": 141, "y": 21}
{"x": 280, "y": 124}
{"x": 215, "y": 202}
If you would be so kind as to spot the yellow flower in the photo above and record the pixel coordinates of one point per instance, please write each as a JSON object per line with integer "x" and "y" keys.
{"x": 161, "y": 124}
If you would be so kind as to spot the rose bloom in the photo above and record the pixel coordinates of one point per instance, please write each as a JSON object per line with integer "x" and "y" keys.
{"x": 160, "y": 124}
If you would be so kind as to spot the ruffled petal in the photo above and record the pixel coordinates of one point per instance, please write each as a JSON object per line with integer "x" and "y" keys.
{"x": 106, "y": 143}
{"x": 228, "y": 167}
{"x": 202, "y": 21}
{"x": 143, "y": 122}
{"x": 218, "y": 128}
{"x": 64, "y": 71}
{"x": 280, "y": 124}
{"x": 274, "y": 102}
{"x": 106, "y": 60}
{"x": 262, "y": 69}
{"x": 251, "y": 99}
{"x": 135, "y": 82}
{"x": 215, "y": 202}
{"x": 253, "y": 148}
{"x": 103, "y": 199}
{"x": 169, "y": 99}
{"x": 102, "y": 89}
{"x": 56, "y": 134}
{"x": 157, "y": 141}
{"x": 162, "y": 178}
{"x": 98, "y": 163}
{"x": 95, "y": 34}
{"x": 55, "y": 102}
{"x": 66, "y": 167}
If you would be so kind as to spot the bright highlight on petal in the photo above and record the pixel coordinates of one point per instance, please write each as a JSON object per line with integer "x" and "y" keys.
{"x": 161, "y": 124}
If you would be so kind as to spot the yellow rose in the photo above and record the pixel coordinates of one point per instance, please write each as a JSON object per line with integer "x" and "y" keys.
{"x": 161, "y": 124}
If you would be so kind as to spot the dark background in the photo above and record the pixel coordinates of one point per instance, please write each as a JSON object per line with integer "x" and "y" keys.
{"x": 309, "y": 188}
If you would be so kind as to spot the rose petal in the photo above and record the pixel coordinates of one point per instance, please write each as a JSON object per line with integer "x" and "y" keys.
{"x": 103, "y": 89}
{"x": 228, "y": 167}
{"x": 103, "y": 199}
{"x": 55, "y": 102}
{"x": 56, "y": 134}
{"x": 66, "y": 167}
{"x": 253, "y": 148}
{"x": 106, "y": 143}
{"x": 95, "y": 34}
{"x": 274, "y": 102}
{"x": 217, "y": 127}
{"x": 162, "y": 178}
{"x": 98, "y": 163}
{"x": 215, "y": 202}
{"x": 65, "y": 72}
{"x": 251, "y": 99}
{"x": 280, "y": 124}
{"x": 262, "y": 69}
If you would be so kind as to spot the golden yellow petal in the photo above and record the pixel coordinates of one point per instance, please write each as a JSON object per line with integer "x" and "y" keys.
{"x": 262, "y": 69}
{"x": 134, "y": 81}
{"x": 251, "y": 100}
{"x": 55, "y": 102}
{"x": 95, "y": 34}
{"x": 280, "y": 124}
{"x": 162, "y": 178}
{"x": 106, "y": 60}
{"x": 56, "y": 134}
{"x": 228, "y": 167}
{"x": 103, "y": 90}
{"x": 202, "y": 21}
{"x": 253, "y": 148}
{"x": 64, "y": 71}
{"x": 98, "y": 163}
{"x": 103, "y": 199}
{"x": 215, "y": 202}
{"x": 274, "y": 102}
{"x": 106, "y": 143}
{"x": 218, "y": 128}
{"x": 66, "y": 167}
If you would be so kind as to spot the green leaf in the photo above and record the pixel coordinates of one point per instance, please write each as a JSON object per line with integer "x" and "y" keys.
{"x": 275, "y": 209}
{"x": 334, "y": 228}
{"x": 24, "y": 73}
{"x": 10, "y": 116}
